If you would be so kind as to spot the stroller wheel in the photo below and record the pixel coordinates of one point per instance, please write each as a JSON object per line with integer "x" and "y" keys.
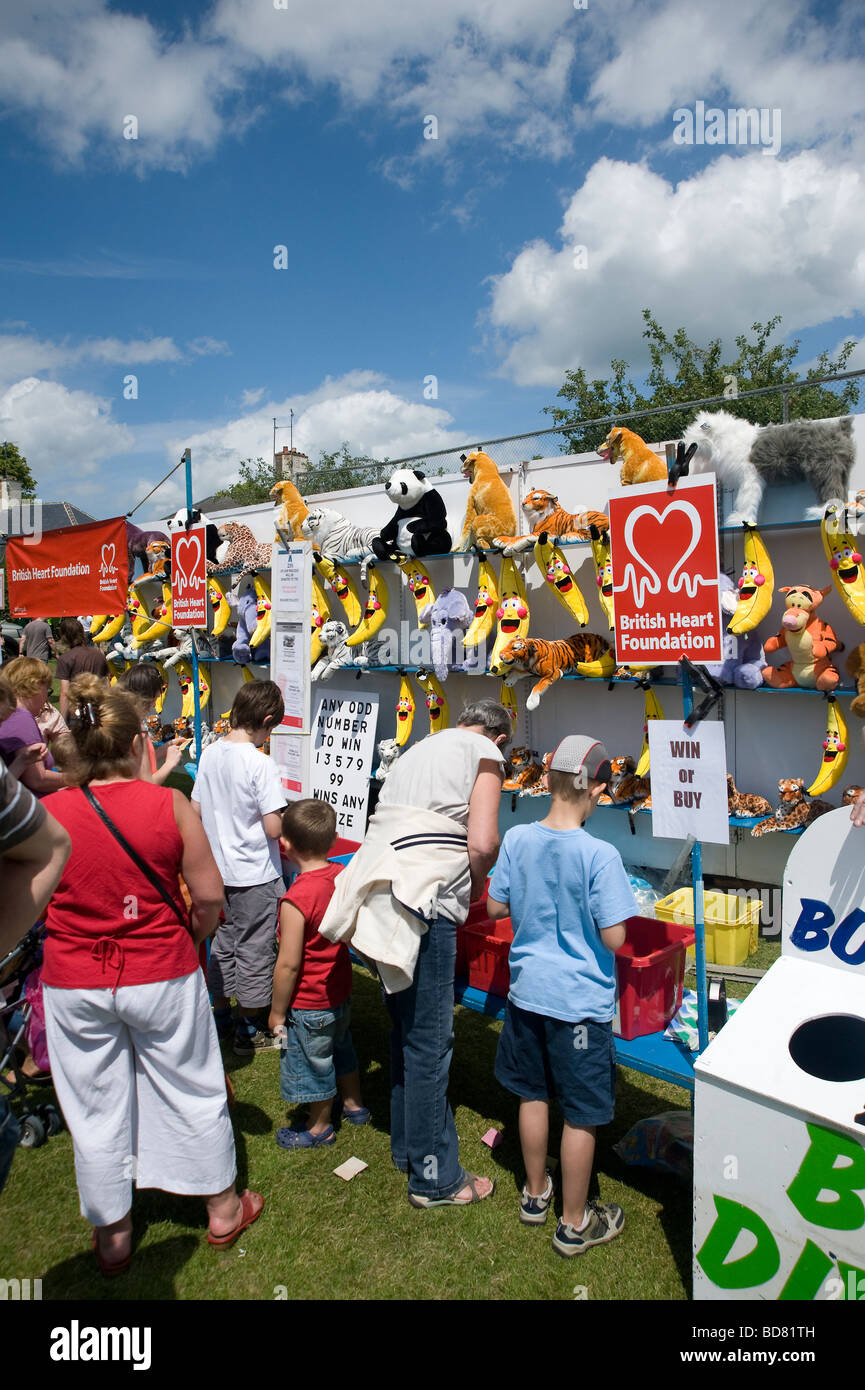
{"x": 33, "y": 1134}
{"x": 51, "y": 1118}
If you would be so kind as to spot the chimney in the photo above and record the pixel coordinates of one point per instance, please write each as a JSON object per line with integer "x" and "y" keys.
{"x": 10, "y": 493}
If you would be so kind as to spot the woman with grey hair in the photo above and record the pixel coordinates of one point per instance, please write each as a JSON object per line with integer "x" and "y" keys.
{"x": 428, "y": 850}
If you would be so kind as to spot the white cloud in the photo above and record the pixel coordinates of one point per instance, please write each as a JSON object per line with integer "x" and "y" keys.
{"x": 746, "y": 238}
{"x": 64, "y": 435}
{"x": 252, "y": 397}
{"x": 25, "y": 354}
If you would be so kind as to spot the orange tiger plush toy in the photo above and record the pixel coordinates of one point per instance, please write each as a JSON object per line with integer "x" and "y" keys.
{"x": 552, "y": 518}
{"x": 526, "y": 774}
{"x": 551, "y": 660}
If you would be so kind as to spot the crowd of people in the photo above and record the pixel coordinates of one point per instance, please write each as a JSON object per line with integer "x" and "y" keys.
{"x": 131, "y": 878}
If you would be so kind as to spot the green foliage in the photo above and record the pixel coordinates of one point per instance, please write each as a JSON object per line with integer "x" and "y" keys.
{"x": 681, "y": 370}
{"x": 256, "y": 480}
{"x": 341, "y": 469}
{"x": 14, "y": 466}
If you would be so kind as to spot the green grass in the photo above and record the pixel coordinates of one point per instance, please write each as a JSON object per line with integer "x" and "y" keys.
{"x": 321, "y": 1237}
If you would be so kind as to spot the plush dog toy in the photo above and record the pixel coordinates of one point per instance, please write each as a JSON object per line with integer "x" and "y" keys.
{"x": 292, "y": 511}
{"x": 489, "y": 510}
{"x": 214, "y": 543}
{"x": 337, "y": 537}
{"x": 808, "y": 640}
{"x": 548, "y": 515}
{"x": 746, "y": 458}
{"x": 855, "y": 665}
{"x": 419, "y": 526}
{"x": 638, "y": 462}
{"x": 448, "y": 619}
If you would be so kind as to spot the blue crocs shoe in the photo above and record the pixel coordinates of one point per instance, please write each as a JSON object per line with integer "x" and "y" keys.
{"x": 304, "y": 1139}
{"x": 354, "y": 1117}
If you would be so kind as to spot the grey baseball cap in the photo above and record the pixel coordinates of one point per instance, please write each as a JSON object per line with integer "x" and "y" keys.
{"x": 583, "y": 756}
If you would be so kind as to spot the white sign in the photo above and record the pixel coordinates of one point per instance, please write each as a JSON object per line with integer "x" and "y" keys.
{"x": 289, "y": 593}
{"x": 689, "y": 781}
{"x": 290, "y": 752}
{"x": 290, "y": 670}
{"x": 343, "y": 744}
{"x": 822, "y": 921}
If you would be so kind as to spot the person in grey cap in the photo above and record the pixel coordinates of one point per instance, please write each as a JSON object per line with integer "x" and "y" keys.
{"x": 569, "y": 898}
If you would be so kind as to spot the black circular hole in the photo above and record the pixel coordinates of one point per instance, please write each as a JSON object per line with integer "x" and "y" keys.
{"x": 832, "y": 1048}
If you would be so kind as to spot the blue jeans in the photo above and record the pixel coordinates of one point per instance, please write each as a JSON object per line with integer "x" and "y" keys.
{"x": 9, "y": 1136}
{"x": 423, "y": 1136}
{"x": 318, "y": 1050}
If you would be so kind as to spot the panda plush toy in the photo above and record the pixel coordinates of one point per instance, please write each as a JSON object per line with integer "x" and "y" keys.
{"x": 420, "y": 524}
{"x": 214, "y": 544}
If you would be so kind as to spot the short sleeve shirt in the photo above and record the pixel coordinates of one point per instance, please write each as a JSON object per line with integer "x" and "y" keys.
{"x": 439, "y": 773}
{"x": 324, "y": 981}
{"x": 79, "y": 659}
{"x": 20, "y": 813}
{"x": 37, "y": 634}
{"x": 236, "y": 786}
{"x": 19, "y": 731}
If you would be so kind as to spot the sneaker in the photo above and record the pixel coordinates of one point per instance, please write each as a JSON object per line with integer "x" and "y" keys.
{"x": 246, "y": 1044}
{"x": 605, "y": 1222}
{"x": 533, "y": 1210}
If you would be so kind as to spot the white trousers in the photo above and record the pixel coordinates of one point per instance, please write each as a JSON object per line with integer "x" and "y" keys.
{"x": 140, "y": 1081}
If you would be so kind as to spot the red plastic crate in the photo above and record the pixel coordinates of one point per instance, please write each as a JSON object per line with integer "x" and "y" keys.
{"x": 650, "y": 973}
{"x": 487, "y": 948}
{"x": 345, "y": 847}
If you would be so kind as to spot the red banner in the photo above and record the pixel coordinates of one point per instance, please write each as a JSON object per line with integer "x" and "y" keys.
{"x": 73, "y": 571}
{"x": 664, "y": 553}
{"x": 188, "y": 578}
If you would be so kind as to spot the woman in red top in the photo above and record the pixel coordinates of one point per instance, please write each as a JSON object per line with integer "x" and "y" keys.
{"x": 133, "y": 1047}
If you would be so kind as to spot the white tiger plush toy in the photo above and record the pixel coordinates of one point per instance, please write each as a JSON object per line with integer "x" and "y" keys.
{"x": 333, "y": 635}
{"x": 336, "y": 537}
{"x": 389, "y": 751}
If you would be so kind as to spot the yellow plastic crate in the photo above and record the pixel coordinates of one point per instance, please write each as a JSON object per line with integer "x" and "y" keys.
{"x": 732, "y": 925}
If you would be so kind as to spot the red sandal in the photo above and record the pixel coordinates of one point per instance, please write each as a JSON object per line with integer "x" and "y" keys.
{"x": 105, "y": 1268}
{"x": 251, "y": 1207}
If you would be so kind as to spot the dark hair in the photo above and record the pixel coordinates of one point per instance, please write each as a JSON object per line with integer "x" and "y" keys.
{"x": 72, "y": 632}
{"x": 104, "y": 724}
{"x": 255, "y": 703}
{"x": 310, "y": 825}
{"x": 143, "y": 682}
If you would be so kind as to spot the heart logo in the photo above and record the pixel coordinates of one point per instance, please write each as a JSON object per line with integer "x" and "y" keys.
{"x": 650, "y": 581}
{"x": 186, "y": 577}
{"x": 108, "y": 553}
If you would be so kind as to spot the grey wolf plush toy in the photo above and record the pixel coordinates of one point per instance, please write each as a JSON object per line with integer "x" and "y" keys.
{"x": 744, "y": 658}
{"x": 747, "y": 458}
{"x": 419, "y": 526}
{"x": 448, "y": 618}
{"x": 214, "y": 543}
{"x": 335, "y": 536}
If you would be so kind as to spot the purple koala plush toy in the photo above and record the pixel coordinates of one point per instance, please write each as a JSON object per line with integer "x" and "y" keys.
{"x": 448, "y": 618}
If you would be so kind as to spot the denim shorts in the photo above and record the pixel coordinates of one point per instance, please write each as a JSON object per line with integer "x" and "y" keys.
{"x": 318, "y": 1048}
{"x": 539, "y": 1057}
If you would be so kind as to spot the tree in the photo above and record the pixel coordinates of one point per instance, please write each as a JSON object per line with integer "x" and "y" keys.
{"x": 253, "y": 485}
{"x": 339, "y": 470}
{"x": 14, "y": 467}
{"x": 699, "y": 372}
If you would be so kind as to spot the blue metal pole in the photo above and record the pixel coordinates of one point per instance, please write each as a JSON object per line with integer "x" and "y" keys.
{"x": 196, "y": 693}
{"x": 699, "y": 906}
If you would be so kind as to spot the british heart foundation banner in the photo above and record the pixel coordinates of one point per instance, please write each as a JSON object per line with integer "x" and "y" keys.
{"x": 78, "y": 569}
{"x": 664, "y": 552}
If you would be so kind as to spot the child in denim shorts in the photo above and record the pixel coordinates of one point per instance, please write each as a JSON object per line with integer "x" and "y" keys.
{"x": 569, "y": 899}
{"x": 311, "y": 1007}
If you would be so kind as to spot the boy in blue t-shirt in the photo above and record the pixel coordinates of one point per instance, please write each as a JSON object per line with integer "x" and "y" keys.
{"x": 568, "y": 897}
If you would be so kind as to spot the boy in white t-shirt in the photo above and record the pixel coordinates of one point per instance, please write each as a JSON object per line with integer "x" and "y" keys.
{"x": 240, "y": 799}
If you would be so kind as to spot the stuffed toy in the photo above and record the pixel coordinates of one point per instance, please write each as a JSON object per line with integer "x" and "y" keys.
{"x": 526, "y": 776}
{"x": 836, "y": 750}
{"x": 137, "y": 542}
{"x": 585, "y": 653}
{"x": 159, "y": 559}
{"x": 489, "y": 510}
{"x": 639, "y": 464}
{"x": 851, "y": 794}
{"x": 292, "y": 512}
{"x": 794, "y": 811}
{"x": 449, "y": 618}
{"x": 745, "y": 458}
{"x": 744, "y": 658}
{"x": 745, "y": 803}
{"x": 244, "y": 551}
{"x": 419, "y": 526}
{"x": 388, "y": 751}
{"x": 337, "y": 537}
{"x": 247, "y": 622}
{"x": 333, "y": 634}
{"x": 625, "y": 786}
{"x": 214, "y": 542}
{"x": 841, "y": 548}
{"x": 855, "y": 665}
{"x": 808, "y": 640}
{"x": 544, "y": 509}
{"x": 182, "y": 650}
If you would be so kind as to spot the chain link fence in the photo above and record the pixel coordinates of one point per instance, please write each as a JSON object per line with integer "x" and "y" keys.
{"x": 660, "y": 424}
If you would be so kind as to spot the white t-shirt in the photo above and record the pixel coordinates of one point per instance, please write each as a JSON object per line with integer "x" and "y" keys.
{"x": 439, "y": 773}
{"x": 236, "y": 786}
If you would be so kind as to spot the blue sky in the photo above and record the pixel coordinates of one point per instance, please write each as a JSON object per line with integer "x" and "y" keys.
{"x": 304, "y": 125}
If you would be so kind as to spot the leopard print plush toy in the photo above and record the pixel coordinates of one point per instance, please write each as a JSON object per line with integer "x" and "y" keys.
{"x": 745, "y": 803}
{"x": 794, "y": 811}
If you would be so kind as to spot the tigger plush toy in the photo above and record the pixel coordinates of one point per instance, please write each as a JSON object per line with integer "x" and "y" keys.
{"x": 551, "y": 518}
{"x": 585, "y": 652}
{"x": 808, "y": 640}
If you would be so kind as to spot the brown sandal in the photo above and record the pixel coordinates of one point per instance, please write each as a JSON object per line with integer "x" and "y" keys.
{"x": 251, "y": 1207}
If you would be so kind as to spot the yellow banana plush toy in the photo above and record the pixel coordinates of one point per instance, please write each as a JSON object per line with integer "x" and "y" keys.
{"x": 507, "y": 697}
{"x": 836, "y": 751}
{"x": 602, "y": 666}
{"x": 756, "y": 586}
{"x": 320, "y": 615}
{"x": 263, "y": 611}
{"x": 375, "y": 613}
{"x": 845, "y": 561}
{"x": 653, "y": 711}
{"x": 187, "y": 688}
{"x": 436, "y": 701}
{"x": 557, "y": 572}
{"x": 217, "y": 591}
{"x": 512, "y": 612}
{"x": 342, "y": 585}
{"x": 109, "y": 627}
{"x": 486, "y": 604}
{"x": 604, "y": 574}
{"x": 161, "y": 626}
{"x": 419, "y": 583}
{"x": 117, "y": 665}
{"x": 405, "y": 708}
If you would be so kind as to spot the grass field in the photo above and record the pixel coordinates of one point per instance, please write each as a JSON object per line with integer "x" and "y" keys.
{"x": 321, "y": 1237}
